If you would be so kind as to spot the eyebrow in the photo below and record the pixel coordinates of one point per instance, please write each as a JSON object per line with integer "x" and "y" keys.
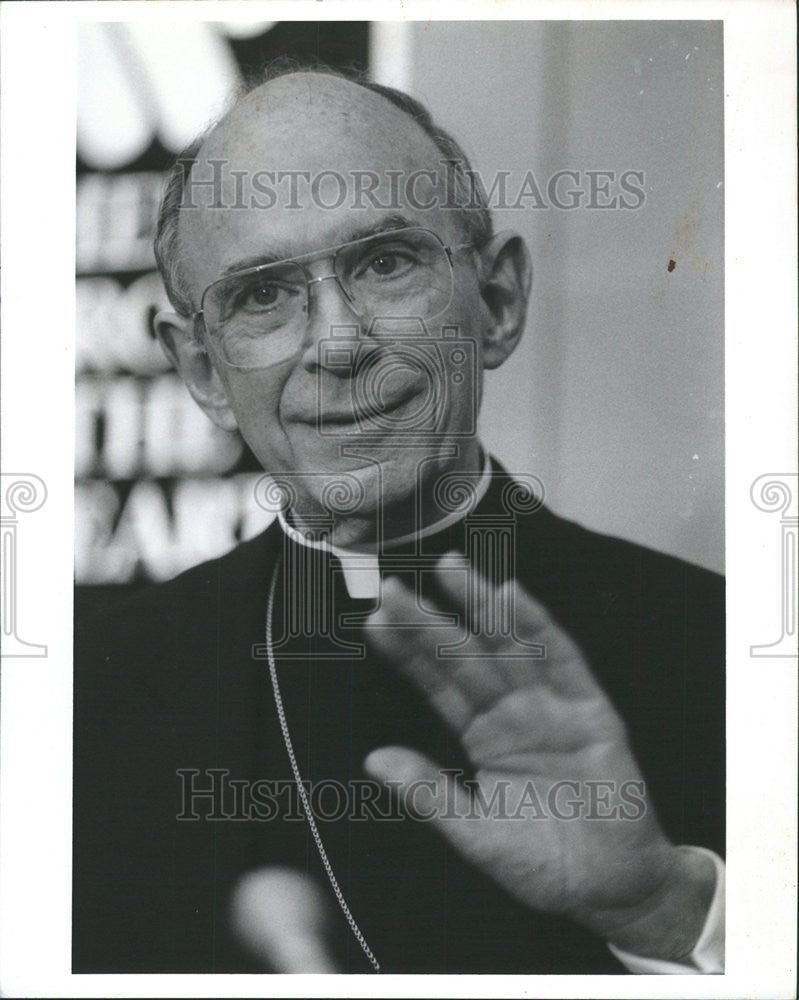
{"x": 385, "y": 225}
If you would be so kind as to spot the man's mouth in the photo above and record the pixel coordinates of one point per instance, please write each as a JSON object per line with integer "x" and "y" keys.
{"x": 368, "y": 404}
{"x": 364, "y": 411}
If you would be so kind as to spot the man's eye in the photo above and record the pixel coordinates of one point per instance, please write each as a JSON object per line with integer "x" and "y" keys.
{"x": 384, "y": 264}
{"x": 388, "y": 264}
{"x": 264, "y": 296}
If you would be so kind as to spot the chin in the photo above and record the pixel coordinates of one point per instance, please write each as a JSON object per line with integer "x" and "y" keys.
{"x": 376, "y": 471}
{"x": 366, "y": 488}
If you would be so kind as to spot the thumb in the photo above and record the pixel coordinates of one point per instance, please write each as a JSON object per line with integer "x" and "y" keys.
{"x": 428, "y": 793}
{"x": 281, "y": 916}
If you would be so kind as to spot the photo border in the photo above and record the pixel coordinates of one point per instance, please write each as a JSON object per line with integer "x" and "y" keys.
{"x": 38, "y": 219}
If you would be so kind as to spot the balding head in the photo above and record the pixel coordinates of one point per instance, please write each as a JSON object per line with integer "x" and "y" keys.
{"x": 315, "y": 105}
{"x": 310, "y": 126}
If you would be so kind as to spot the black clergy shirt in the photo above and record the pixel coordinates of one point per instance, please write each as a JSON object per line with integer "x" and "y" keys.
{"x": 173, "y": 697}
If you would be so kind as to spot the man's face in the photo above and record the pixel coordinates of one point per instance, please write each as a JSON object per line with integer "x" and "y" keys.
{"x": 294, "y": 412}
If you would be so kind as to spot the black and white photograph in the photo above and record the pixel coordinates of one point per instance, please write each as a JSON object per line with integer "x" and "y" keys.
{"x": 408, "y": 633}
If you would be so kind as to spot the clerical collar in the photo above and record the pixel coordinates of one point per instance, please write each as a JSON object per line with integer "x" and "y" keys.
{"x": 361, "y": 568}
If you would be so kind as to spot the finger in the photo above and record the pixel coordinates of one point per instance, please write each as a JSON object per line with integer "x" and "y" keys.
{"x": 565, "y": 664}
{"x": 428, "y": 794}
{"x": 281, "y": 917}
{"x": 452, "y": 578}
{"x": 457, "y": 687}
{"x": 480, "y": 599}
{"x": 487, "y": 608}
{"x": 522, "y": 618}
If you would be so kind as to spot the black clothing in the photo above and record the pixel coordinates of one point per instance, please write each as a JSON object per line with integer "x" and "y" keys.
{"x": 176, "y": 680}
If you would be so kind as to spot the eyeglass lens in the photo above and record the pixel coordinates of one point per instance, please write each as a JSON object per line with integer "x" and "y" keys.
{"x": 258, "y": 318}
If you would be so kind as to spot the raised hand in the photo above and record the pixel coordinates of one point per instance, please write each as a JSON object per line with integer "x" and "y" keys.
{"x": 559, "y": 813}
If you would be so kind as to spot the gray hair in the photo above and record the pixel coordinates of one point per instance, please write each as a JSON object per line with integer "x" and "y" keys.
{"x": 473, "y": 212}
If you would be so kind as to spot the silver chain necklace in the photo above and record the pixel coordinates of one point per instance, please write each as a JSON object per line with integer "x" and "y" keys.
{"x": 306, "y": 805}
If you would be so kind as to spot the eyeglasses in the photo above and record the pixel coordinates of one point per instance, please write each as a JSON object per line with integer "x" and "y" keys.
{"x": 257, "y": 317}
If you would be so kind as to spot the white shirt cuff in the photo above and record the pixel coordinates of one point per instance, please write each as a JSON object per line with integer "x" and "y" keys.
{"x": 707, "y": 958}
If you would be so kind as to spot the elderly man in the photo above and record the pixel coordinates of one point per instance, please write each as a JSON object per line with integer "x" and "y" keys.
{"x": 421, "y": 723}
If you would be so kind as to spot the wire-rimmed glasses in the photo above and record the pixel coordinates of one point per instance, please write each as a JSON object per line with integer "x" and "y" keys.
{"x": 258, "y": 316}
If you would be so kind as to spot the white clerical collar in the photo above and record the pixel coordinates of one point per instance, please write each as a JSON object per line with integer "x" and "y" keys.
{"x": 361, "y": 567}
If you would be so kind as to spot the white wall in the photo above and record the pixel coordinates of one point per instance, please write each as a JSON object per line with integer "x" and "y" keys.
{"x": 615, "y": 398}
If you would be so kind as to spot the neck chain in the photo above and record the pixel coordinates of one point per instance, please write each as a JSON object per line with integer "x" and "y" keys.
{"x": 306, "y": 805}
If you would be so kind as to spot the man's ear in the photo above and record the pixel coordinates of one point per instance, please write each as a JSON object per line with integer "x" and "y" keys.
{"x": 176, "y": 335}
{"x": 507, "y": 275}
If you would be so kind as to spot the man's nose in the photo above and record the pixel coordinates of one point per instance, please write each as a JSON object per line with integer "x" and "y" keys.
{"x": 329, "y": 311}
